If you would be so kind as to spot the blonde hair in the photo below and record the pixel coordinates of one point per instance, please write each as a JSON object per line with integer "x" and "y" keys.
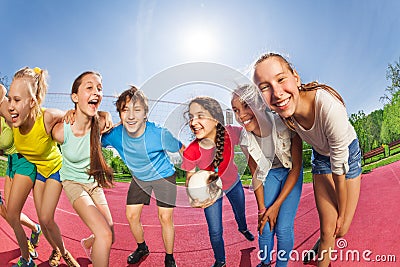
{"x": 36, "y": 78}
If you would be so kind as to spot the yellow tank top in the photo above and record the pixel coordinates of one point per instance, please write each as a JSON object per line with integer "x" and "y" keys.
{"x": 6, "y": 138}
{"x": 39, "y": 148}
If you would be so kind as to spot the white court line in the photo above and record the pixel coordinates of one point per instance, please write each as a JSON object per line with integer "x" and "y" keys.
{"x": 148, "y": 225}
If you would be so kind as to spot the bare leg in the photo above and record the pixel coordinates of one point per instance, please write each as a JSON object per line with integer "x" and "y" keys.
{"x": 25, "y": 220}
{"x": 325, "y": 198}
{"x": 165, "y": 215}
{"x": 19, "y": 191}
{"x": 100, "y": 227}
{"x": 133, "y": 213}
{"x": 46, "y": 197}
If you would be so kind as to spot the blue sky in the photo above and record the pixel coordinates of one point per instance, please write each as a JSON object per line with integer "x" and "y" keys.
{"x": 347, "y": 44}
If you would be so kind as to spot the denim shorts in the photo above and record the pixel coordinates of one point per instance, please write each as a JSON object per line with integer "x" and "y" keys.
{"x": 322, "y": 165}
{"x": 54, "y": 176}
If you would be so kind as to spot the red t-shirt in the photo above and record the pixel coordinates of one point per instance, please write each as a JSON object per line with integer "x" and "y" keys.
{"x": 196, "y": 156}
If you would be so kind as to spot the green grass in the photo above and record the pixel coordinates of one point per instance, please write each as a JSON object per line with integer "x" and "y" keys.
{"x": 382, "y": 162}
{"x": 3, "y": 168}
{"x": 246, "y": 179}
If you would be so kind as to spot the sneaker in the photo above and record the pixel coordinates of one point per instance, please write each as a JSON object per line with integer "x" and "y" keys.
{"x": 55, "y": 258}
{"x": 219, "y": 264}
{"x": 170, "y": 263}
{"x": 312, "y": 253}
{"x": 88, "y": 251}
{"x": 138, "y": 255}
{"x": 32, "y": 251}
{"x": 23, "y": 263}
{"x": 35, "y": 235}
{"x": 249, "y": 236}
{"x": 69, "y": 260}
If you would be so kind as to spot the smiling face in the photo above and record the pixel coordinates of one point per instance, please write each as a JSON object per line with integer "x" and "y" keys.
{"x": 202, "y": 124}
{"x": 89, "y": 95}
{"x": 245, "y": 116}
{"x": 279, "y": 85}
{"x": 21, "y": 102}
{"x": 133, "y": 116}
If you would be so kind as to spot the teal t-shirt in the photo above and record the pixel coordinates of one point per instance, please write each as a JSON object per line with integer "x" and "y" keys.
{"x": 145, "y": 156}
{"x": 76, "y": 157}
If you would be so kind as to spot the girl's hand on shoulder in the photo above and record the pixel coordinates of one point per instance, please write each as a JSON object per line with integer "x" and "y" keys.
{"x": 69, "y": 116}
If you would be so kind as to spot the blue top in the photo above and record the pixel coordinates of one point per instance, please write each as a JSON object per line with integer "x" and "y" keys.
{"x": 146, "y": 156}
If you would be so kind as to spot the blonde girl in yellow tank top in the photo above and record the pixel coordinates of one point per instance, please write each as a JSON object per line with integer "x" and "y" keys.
{"x": 32, "y": 127}
{"x": 20, "y": 174}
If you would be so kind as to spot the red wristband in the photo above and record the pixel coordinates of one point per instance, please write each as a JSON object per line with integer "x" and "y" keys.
{"x": 261, "y": 211}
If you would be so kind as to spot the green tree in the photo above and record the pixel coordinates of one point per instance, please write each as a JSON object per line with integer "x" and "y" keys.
{"x": 391, "y": 119}
{"x": 358, "y": 122}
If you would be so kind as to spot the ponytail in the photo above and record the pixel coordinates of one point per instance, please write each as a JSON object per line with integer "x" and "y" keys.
{"x": 101, "y": 172}
{"x": 37, "y": 80}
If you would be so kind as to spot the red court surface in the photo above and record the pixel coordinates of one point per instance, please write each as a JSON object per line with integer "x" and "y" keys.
{"x": 374, "y": 234}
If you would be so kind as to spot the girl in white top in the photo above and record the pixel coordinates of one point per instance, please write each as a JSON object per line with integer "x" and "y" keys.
{"x": 318, "y": 114}
{"x": 275, "y": 162}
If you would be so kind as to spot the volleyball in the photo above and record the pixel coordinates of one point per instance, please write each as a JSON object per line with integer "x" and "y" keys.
{"x": 202, "y": 192}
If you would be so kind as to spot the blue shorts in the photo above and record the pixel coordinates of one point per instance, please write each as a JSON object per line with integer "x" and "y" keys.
{"x": 322, "y": 164}
{"x": 54, "y": 176}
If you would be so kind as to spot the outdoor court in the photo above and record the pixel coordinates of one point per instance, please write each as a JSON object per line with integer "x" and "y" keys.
{"x": 373, "y": 235}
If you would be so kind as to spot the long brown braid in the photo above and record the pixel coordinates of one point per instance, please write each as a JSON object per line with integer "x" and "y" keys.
{"x": 303, "y": 87}
{"x": 214, "y": 108}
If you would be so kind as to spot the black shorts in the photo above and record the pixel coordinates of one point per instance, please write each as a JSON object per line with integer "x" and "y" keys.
{"x": 164, "y": 190}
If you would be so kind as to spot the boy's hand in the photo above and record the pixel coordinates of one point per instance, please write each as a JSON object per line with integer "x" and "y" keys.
{"x": 108, "y": 123}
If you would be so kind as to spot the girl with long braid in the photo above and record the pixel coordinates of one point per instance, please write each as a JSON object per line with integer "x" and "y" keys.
{"x": 213, "y": 150}
{"x": 32, "y": 126}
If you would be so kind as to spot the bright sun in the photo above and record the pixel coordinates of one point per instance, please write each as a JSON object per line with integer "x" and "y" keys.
{"x": 199, "y": 44}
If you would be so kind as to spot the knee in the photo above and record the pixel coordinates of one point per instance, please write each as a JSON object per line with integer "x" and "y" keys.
{"x": 327, "y": 232}
{"x": 105, "y": 235}
{"x": 132, "y": 216}
{"x": 165, "y": 219}
{"x": 215, "y": 232}
{"x": 284, "y": 233}
{"x": 12, "y": 218}
{"x": 46, "y": 221}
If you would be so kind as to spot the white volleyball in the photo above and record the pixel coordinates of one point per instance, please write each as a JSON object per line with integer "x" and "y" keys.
{"x": 198, "y": 187}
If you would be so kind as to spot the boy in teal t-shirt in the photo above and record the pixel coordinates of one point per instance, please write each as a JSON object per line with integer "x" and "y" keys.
{"x": 143, "y": 147}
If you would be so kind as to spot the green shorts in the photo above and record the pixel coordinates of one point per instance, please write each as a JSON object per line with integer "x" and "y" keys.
{"x": 17, "y": 164}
